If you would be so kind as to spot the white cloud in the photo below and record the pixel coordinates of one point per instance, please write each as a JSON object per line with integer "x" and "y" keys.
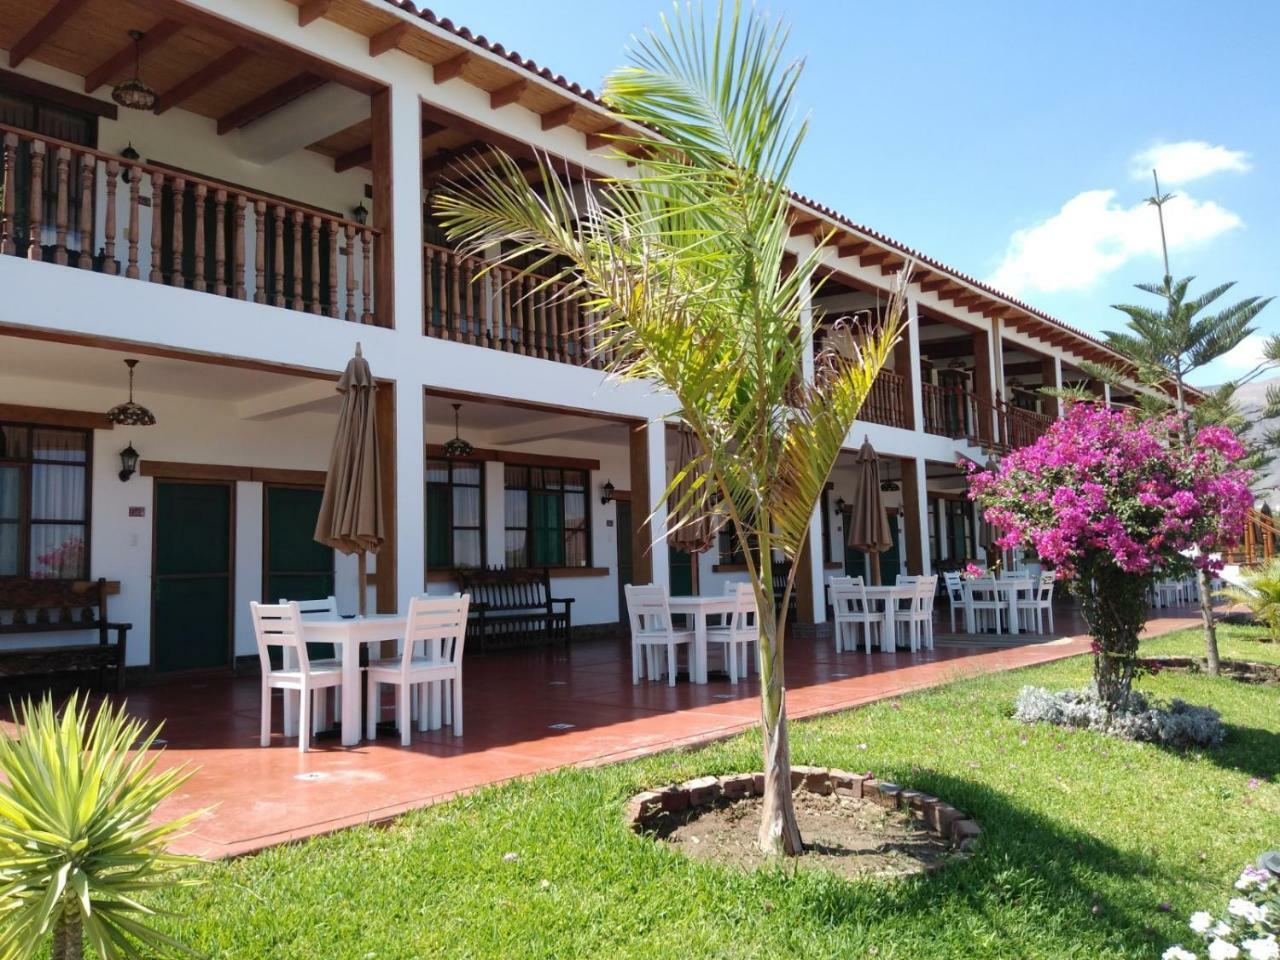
{"x": 1245, "y": 355}
{"x": 1187, "y": 160}
{"x": 1093, "y": 235}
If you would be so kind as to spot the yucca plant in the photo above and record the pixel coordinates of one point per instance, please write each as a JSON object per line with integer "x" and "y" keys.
{"x": 684, "y": 269}
{"x": 78, "y": 839}
{"x": 1261, "y": 595}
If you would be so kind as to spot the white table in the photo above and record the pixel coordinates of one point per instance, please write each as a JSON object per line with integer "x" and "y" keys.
{"x": 1007, "y": 590}
{"x": 698, "y": 609}
{"x": 887, "y": 598}
{"x": 348, "y": 635}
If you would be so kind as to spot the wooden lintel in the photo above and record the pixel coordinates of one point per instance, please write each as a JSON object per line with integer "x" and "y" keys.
{"x": 522, "y": 459}
{"x": 852, "y": 249}
{"x": 388, "y": 39}
{"x": 124, "y": 57}
{"x": 313, "y": 10}
{"x": 559, "y": 116}
{"x": 210, "y": 73}
{"x": 175, "y": 470}
{"x": 507, "y": 94}
{"x": 448, "y": 69}
{"x": 60, "y": 13}
{"x": 353, "y": 158}
{"x": 52, "y": 417}
{"x": 272, "y": 100}
{"x": 603, "y": 137}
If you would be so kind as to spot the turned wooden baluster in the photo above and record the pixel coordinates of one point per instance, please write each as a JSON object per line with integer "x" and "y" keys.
{"x": 507, "y": 343}
{"x": 315, "y": 263}
{"x": 296, "y": 299}
{"x": 277, "y": 268}
{"x": 562, "y": 323}
{"x": 157, "y": 204}
{"x": 541, "y": 317}
{"x": 199, "y": 282}
{"x": 61, "y": 169}
{"x": 350, "y": 315}
{"x": 471, "y": 302}
{"x": 260, "y": 252}
{"x": 179, "y": 193}
{"x": 10, "y": 187}
{"x": 109, "y": 264}
{"x": 366, "y": 288}
{"x": 87, "y": 167}
{"x": 455, "y": 301}
{"x": 333, "y": 269}
{"x": 428, "y": 289}
{"x": 135, "y": 204}
{"x": 220, "y": 242}
{"x": 237, "y": 249}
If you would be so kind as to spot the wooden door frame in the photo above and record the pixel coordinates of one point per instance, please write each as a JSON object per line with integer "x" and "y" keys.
{"x": 230, "y": 485}
{"x": 266, "y": 530}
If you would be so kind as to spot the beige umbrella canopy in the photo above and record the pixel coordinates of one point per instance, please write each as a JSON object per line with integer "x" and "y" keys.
{"x": 868, "y": 522}
{"x": 694, "y": 530}
{"x": 351, "y": 518}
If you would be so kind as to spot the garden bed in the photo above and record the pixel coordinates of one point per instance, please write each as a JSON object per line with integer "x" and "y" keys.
{"x": 1244, "y": 671}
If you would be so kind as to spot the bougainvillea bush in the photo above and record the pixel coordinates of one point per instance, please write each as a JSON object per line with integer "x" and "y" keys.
{"x": 1109, "y": 498}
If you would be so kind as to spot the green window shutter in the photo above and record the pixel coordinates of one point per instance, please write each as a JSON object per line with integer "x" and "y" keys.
{"x": 548, "y": 529}
{"x": 439, "y": 526}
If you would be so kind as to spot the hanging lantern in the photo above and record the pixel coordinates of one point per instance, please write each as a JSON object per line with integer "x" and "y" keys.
{"x": 457, "y": 447}
{"x": 130, "y": 414}
{"x": 133, "y": 93}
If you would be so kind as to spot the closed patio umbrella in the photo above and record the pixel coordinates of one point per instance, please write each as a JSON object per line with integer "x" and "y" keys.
{"x": 868, "y": 522}
{"x": 351, "y": 516}
{"x": 695, "y": 530}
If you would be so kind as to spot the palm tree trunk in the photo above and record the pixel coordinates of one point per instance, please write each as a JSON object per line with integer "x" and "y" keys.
{"x": 779, "y": 831}
{"x": 68, "y": 936}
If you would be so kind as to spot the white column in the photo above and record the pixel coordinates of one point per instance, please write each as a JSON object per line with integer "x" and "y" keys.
{"x": 411, "y": 493}
{"x": 656, "y": 442}
{"x": 913, "y": 346}
{"x": 495, "y": 513}
{"x": 406, "y": 202}
{"x": 817, "y": 562}
{"x": 1106, "y": 394}
{"x": 922, "y": 497}
{"x": 1057, "y": 381}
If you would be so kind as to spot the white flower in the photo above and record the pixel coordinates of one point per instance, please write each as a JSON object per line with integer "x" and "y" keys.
{"x": 1177, "y": 953}
{"x": 1264, "y": 948}
{"x": 1246, "y": 910}
{"x": 1201, "y": 921}
{"x": 1221, "y": 929}
{"x": 1221, "y": 950}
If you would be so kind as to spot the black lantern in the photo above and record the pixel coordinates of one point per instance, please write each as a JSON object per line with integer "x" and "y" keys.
{"x": 361, "y": 214}
{"x": 133, "y": 156}
{"x": 128, "y": 462}
{"x": 457, "y": 447}
{"x": 606, "y": 492}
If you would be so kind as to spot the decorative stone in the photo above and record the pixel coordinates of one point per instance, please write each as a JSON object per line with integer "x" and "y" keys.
{"x": 964, "y": 834}
{"x": 702, "y": 790}
{"x": 847, "y": 784}
{"x": 757, "y": 784}
{"x": 736, "y": 787}
{"x": 923, "y": 803}
{"x": 906, "y": 799}
{"x": 644, "y": 806}
{"x": 814, "y": 779}
{"x": 943, "y": 815}
{"x": 674, "y": 799}
{"x": 882, "y": 792}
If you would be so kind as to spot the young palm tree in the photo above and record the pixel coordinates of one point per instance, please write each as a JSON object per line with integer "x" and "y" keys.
{"x": 78, "y": 844}
{"x": 1261, "y": 594}
{"x": 684, "y": 268}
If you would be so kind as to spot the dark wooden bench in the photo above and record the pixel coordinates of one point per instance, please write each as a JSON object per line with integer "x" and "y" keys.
{"x": 513, "y": 607}
{"x": 37, "y": 607}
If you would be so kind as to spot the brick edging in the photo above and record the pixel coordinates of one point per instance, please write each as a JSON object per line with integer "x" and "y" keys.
{"x": 951, "y": 825}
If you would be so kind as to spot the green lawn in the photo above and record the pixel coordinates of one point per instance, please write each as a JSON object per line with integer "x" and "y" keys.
{"x": 1085, "y": 839}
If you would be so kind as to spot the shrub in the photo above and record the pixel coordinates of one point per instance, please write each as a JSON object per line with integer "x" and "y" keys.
{"x": 1133, "y": 718}
{"x": 1249, "y": 928}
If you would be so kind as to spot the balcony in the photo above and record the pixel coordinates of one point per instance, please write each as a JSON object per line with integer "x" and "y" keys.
{"x": 962, "y": 415}
{"x": 888, "y": 403}
{"x": 72, "y": 205}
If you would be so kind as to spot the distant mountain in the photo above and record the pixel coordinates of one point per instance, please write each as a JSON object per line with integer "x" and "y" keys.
{"x": 1252, "y": 397}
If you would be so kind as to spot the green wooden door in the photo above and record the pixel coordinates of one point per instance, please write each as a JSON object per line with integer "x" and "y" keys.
{"x": 855, "y": 561}
{"x": 192, "y": 576}
{"x": 626, "y": 571}
{"x": 681, "y": 567}
{"x": 294, "y": 565}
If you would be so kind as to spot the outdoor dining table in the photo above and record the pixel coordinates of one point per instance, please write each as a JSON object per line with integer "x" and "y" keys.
{"x": 698, "y": 609}
{"x": 1007, "y": 589}
{"x": 348, "y": 634}
{"x": 886, "y": 598}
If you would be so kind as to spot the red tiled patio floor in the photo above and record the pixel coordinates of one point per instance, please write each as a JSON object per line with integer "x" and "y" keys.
{"x": 259, "y": 797}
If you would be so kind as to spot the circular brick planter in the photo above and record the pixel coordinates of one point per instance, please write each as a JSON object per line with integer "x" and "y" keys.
{"x": 645, "y": 810}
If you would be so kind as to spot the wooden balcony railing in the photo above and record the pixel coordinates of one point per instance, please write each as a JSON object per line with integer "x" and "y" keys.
{"x": 1019, "y": 427}
{"x": 502, "y": 310}
{"x": 62, "y": 202}
{"x": 962, "y": 415}
{"x": 1261, "y": 541}
{"x": 887, "y": 402}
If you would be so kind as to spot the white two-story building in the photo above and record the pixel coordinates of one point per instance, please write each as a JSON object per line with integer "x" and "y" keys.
{"x": 267, "y": 211}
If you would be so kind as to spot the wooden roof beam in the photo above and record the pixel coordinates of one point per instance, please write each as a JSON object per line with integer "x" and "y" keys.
{"x": 388, "y": 39}
{"x": 272, "y": 100}
{"x": 180, "y": 92}
{"x": 507, "y": 94}
{"x": 938, "y": 283}
{"x": 892, "y": 266}
{"x": 874, "y": 257}
{"x": 124, "y": 57}
{"x": 968, "y": 300}
{"x": 446, "y": 70}
{"x": 603, "y": 137}
{"x": 45, "y": 27}
{"x": 853, "y": 248}
{"x": 353, "y": 158}
{"x": 559, "y": 116}
{"x": 312, "y": 11}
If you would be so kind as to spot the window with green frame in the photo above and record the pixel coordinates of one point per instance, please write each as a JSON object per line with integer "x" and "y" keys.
{"x": 960, "y": 543}
{"x": 44, "y": 502}
{"x": 455, "y": 513}
{"x": 548, "y": 517}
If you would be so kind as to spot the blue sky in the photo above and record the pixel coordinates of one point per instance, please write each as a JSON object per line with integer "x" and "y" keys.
{"x": 1012, "y": 139}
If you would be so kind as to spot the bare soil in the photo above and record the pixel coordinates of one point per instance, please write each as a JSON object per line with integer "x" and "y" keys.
{"x": 847, "y": 836}
{"x": 1244, "y": 671}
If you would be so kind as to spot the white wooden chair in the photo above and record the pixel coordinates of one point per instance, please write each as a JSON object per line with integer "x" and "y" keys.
{"x": 739, "y": 632}
{"x": 985, "y": 603}
{"x": 325, "y": 608}
{"x": 281, "y": 625}
{"x": 649, "y": 611}
{"x": 956, "y": 598}
{"x": 851, "y": 610}
{"x": 917, "y": 615}
{"x": 434, "y": 675}
{"x": 1035, "y": 608}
